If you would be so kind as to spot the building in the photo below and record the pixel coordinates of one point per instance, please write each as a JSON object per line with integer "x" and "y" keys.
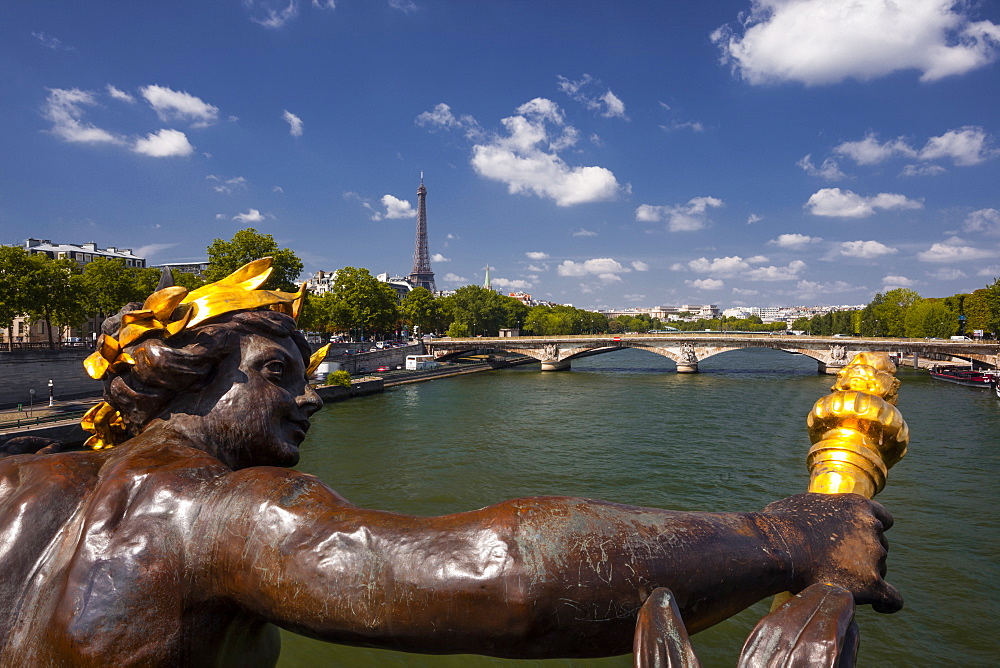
{"x": 665, "y": 313}
{"x": 321, "y": 282}
{"x": 83, "y": 254}
{"x": 196, "y": 268}
{"x": 23, "y": 330}
{"x": 401, "y": 284}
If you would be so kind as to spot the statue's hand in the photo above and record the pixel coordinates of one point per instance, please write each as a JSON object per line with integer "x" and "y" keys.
{"x": 838, "y": 539}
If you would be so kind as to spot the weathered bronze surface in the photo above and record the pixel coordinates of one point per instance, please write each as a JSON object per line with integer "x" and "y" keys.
{"x": 189, "y": 542}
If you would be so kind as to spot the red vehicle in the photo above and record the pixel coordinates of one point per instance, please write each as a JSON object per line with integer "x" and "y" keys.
{"x": 382, "y": 368}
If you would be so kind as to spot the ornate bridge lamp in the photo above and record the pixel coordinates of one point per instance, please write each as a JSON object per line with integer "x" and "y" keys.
{"x": 857, "y": 435}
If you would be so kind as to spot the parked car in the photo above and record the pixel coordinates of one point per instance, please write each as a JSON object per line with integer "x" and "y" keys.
{"x": 382, "y": 368}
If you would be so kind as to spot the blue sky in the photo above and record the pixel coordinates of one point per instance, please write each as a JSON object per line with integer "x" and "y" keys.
{"x": 603, "y": 154}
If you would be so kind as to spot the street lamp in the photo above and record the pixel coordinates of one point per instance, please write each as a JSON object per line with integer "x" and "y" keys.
{"x": 50, "y": 393}
{"x": 31, "y": 403}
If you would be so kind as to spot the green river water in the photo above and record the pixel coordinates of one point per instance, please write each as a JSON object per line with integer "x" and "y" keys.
{"x": 624, "y": 427}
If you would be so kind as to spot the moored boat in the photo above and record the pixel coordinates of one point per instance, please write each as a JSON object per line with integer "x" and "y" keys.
{"x": 967, "y": 376}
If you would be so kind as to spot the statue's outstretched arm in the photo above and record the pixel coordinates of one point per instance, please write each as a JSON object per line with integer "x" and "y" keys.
{"x": 540, "y": 577}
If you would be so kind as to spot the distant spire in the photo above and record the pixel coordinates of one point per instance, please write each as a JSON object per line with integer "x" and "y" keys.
{"x": 422, "y": 275}
{"x": 487, "y": 284}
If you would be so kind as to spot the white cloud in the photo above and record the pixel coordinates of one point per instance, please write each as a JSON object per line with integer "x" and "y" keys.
{"x": 442, "y": 118}
{"x": 847, "y": 204}
{"x": 754, "y": 218}
{"x": 869, "y": 151}
{"x": 983, "y": 220}
{"x": 720, "y": 266}
{"x": 584, "y": 233}
{"x": 705, "y": 284}
{"x": 278, "y": 189}
{"x": 179, "y": 105}
{"x": 607, "y": 104}
{"x": 681, "y": 217}
{"x": 405, "y": 6}
{"x": 455, "y": 278}
{"x": 324, "y": 4}
{"x": 922, "y": 170}
{"x": 536, "y": 255}
{"x": 509, "y": 284}
{"x": 772, "y": 273}
{"x": 149, "y": 250}
{"x": 744, "y": 291}
{"x": 829, "y": 170}
{"x": 397, "y": 208}
{"x": 812, "y": 289}
{"x": 251, "y": 216}
{"x": 793, "y": 240}
{"x": 639, "y": 265}
{"x": 604, "y": 268}
{"x": 527, "y": 159}
{"x": 965, "y": 146}
{"x": 229, "y": 185}
{"x": 437, "y": 257}
{"x": 946, "y": 274}
{"x": 164, "y": 144}
{"x": 954, "y": 250}
{"x": 757, "y": 259}
{"x": 826, "y": 41}
{"x": 272, "y": 13}
{"x": 866, "y": 249}
{"x": 221, "y": 216}
{"x": 890, "y": 282}
{"x": 119, "y": 94}
{"x": 989, "y": 271}
{"x": 294, "y": 123}
{"x": 63, "y": 109}
{"x": 50, "y": 42}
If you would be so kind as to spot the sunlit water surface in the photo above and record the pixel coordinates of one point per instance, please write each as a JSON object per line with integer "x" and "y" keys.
{"x": 625, "y": 427}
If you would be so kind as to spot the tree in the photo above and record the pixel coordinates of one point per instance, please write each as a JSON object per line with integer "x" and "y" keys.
{"x": 225, "y": 257}
{"x": 420, "y": 308}
{"x": 109, "y": 285}
{"x": 15, "y": 283}
{"x": 359, "y": 300}
{"x": 478, "y": 310}
{"x": 992, "y": 299}
{"x": 58, "y": 295}
{"x": 802, "y": 324}
{"x": 931, "y": 318}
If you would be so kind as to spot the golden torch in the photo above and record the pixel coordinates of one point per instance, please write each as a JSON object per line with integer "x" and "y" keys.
{"x": 857, "y": 432}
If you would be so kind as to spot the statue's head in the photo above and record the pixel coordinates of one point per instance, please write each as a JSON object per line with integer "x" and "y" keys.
{"x": 225, "y": 362}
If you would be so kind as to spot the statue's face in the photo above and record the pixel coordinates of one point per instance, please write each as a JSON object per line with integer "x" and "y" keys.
{"x": 264, "y": 402}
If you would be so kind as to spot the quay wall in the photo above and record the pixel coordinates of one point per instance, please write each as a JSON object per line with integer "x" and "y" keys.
{"x": 25, "y": 370}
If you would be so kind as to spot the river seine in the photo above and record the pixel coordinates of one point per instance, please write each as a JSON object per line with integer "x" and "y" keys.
{"x": 625, "y": 427}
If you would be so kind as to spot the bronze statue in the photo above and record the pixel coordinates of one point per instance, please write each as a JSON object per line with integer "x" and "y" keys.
{"x": 190, "y": 541}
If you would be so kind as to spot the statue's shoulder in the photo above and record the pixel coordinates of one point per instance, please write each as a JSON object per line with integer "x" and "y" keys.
{"x": 63, "y": 470}
{"x": 287, "y": 488}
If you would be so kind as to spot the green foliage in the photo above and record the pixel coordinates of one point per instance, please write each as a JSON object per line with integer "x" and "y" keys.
{"x": 225, "y": 257}
{"x": 563, "y": 320}
{"x": 358, "y": 301}
{"x": 886, "y": 314}
{"x": 15, "y": 283}
{"x": 992, "y": 300}
{"x": 340, "y": 378}
{"x": 57, "y": 293}
{"x": 802, "y": 324}
{"x": 931, "y": 318}
{"x": 481, "y": 311}
{"x": 422, "y": 309}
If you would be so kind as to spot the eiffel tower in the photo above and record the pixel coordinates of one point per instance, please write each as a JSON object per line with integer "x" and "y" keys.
{"x": 422, "y": 276}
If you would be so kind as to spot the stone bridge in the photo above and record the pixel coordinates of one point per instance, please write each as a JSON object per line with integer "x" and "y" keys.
{"x": 688, "y": 349}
